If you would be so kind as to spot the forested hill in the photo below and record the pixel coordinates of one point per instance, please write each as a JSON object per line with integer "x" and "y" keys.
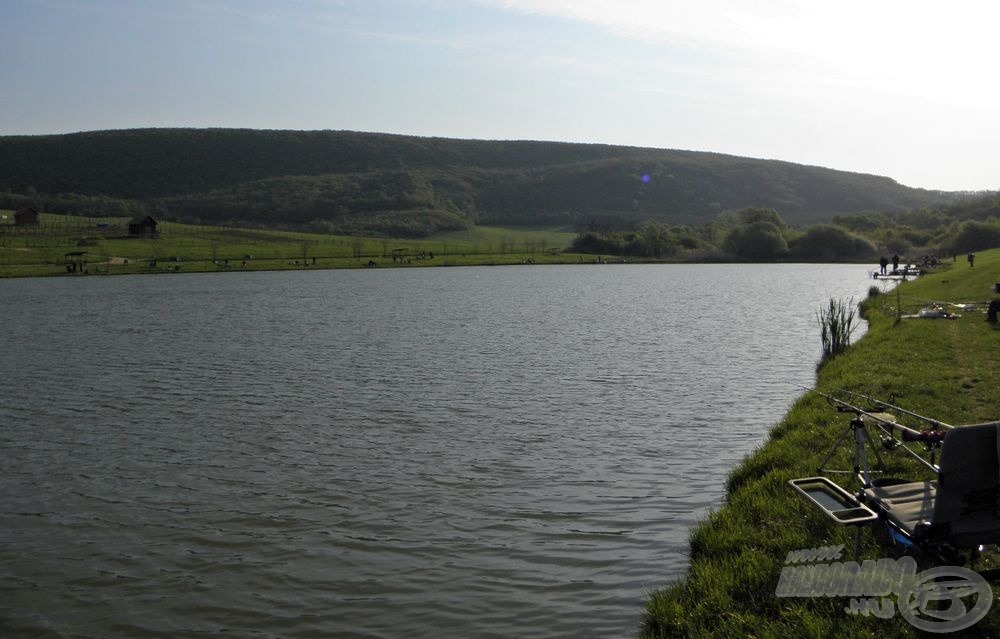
{"x": 409, "y": 185}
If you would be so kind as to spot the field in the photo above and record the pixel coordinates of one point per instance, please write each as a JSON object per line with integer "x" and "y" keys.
{"x": 63, "y": 245}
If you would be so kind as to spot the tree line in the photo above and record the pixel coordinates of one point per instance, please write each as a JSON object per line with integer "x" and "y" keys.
{"x": 760, "y": 234}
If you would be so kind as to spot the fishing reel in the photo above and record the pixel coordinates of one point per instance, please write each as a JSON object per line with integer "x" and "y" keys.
{"x": 931, "y": 439}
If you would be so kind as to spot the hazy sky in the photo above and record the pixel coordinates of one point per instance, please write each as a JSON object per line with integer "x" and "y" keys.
{"x": 906, "y": 89}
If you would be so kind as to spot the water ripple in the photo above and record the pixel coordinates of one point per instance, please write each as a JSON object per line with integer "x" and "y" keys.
{"x": 457, "y": 452}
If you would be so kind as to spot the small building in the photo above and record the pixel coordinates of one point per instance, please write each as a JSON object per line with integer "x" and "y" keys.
{"x": 26, "y": 216}
{"x": 142, "y": 227}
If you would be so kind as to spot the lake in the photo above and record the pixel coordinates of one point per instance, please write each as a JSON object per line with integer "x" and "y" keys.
{"x": 488, "y": 452}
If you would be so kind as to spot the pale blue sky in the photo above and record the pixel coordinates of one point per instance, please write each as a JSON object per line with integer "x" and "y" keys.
{"x": 905, "y": 89}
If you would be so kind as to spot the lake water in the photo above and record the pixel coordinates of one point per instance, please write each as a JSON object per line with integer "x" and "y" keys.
{"x": 487, "y": 452}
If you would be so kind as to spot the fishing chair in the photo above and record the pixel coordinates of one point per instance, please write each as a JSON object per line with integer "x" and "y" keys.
{"x": 960, "y": 508}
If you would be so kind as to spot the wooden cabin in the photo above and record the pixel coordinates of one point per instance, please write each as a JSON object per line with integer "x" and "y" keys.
{"x": 26, "y": 216}
{"x": 142, "y": 227}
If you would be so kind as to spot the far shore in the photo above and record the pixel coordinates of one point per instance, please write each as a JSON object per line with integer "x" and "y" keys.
{"x": 123, "y": 266}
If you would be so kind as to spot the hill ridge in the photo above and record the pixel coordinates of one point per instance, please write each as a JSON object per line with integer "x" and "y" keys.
{"x": 219, "y": 174}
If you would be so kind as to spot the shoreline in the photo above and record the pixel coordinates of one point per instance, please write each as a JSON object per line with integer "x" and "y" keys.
{"x": 329, "y": 264}
{"x": 948, "y": 369}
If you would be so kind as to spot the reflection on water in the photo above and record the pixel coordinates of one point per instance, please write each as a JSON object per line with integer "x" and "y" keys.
{"x": 463, "y": 452}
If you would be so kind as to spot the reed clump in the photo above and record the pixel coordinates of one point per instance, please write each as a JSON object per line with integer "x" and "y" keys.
{"x": 837, "y": 322}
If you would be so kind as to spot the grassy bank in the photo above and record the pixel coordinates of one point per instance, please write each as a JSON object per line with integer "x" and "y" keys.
{"x": 103, "y": 246}
{"x": 947, "y": 369}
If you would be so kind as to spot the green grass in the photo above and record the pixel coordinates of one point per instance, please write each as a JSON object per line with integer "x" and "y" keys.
{"x": 483, "y": 237}
{"x": 42, "y": 250}
{"x": 946, "y": 369}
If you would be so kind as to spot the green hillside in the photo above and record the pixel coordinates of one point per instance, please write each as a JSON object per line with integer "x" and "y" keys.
{"x": 362, "y": 183}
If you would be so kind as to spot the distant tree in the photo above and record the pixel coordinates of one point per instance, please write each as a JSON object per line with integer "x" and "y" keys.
{"x": 897, "y": 244}
{"x": 978, "y": 208}
{"x": 830, "y": 242}
{"x": 656, "y": 239}
{"x": 590, "y": 242}
{"x": 923, "y": 218}
{"x": 753, "y": 215}
{"x": 714, "y": 232}
{"x": 726, "y": 219}
{"x": 687, "y": 238}
{"x": 862, "y": 222}
{"x": 757, "y": 241}
{"x": 972, "y": 235}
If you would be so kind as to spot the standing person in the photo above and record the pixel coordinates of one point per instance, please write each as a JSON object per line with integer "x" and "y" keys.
{"x": 972, "y": 258}
{"x": 895, "y": 263}
{"x": 883, "y": 262}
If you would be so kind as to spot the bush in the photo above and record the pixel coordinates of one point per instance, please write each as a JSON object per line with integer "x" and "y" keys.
{"x": 591, "y": 242}
{"x": 975, "y": 236}
{"x": 828, "y": 241}
{"x": 757, "y": 241}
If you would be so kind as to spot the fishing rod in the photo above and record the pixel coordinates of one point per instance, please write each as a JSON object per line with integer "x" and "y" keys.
{"x": 909, "y": 434}
{"x": 939, "y": 427}
{"x": 930, "y": 439}
{"x": 936, "y": 423}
